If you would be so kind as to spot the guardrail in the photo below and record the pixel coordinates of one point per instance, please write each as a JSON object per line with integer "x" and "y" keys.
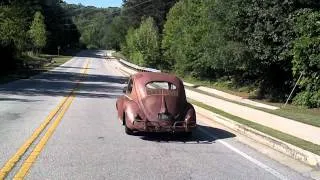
{"x": 136, "y": 67}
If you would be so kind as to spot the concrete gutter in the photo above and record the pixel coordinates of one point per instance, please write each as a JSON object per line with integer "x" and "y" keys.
{"x": 290, "y": 150}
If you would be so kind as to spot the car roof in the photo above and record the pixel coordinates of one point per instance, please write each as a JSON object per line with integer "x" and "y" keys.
{"x": 143, "y": 78}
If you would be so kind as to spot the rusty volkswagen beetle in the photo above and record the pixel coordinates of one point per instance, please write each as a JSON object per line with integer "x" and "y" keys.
{"x": 155, "y": 102}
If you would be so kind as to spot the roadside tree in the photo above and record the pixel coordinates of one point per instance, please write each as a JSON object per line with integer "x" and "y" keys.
{"x": 142, "y": 44}
{"x": 37, "y": 32}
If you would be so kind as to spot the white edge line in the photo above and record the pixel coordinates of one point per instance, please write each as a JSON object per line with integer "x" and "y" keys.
{"x": 246, "y": 156}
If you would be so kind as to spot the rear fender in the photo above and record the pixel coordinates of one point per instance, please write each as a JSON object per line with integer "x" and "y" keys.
{"x": 190, "y": 115}
{"x": 132, "y": 110}
{"x": 119, "y": 107}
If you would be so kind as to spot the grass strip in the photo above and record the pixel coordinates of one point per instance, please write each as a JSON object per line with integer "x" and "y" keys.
{"x": 303, "y": 144}
{"x": 304, "y": 115}
{"x": 57, "y": 62}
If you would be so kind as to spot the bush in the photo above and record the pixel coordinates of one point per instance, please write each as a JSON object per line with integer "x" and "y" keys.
{"x": 307, "y": 99}
{"x": 306, "y": 57}
{"x": 142, "y": 46}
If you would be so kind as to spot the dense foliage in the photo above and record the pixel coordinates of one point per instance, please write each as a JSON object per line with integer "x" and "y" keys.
{"x": 262, "y": 44}
{"x": 29, "y": 25}
{"x": 142, "y": 44}
{"x": 37, "y": 31}
{"x": 136, "y": 10}
{"x": 306, "y": 57}
{"x": 94, "y": 25}
{"x": 145, "y": 20}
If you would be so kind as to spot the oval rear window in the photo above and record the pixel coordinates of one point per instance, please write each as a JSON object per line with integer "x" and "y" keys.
{"x": 161, "y": 85}
{"x": 161, "y": 88}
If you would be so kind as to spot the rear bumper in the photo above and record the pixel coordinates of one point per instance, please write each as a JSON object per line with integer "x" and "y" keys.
{"x": 153, "y": 126}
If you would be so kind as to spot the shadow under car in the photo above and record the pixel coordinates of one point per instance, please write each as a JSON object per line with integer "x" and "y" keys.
{"x": 197, "y": 137}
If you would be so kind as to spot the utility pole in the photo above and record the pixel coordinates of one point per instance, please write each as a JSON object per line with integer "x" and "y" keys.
{"x": 293, "y": 89}
{"x": 58, "y": 50}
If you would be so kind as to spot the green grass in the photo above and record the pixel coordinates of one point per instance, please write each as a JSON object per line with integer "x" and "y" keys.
{"x": 297, "y": 113}
{"x": 57, "y": 62}
{"x": 39, "y": 64}
{"x": 304, "y": 115}
{"x": 306, "y": 145}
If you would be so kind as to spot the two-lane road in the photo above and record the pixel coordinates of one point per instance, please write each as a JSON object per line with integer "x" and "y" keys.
{"x": 89, "y": 142}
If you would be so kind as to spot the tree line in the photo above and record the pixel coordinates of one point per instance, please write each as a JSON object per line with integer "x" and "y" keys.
{"x": 94, "y": 25}
{"x": 31, "y": 26}
{"x": 266, "y": 45}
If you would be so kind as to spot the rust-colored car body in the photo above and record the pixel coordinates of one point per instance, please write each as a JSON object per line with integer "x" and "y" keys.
{"x": 149, "y": 107}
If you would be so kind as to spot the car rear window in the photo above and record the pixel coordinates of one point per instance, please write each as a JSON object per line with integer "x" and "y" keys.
{"x": 161, "y": 87}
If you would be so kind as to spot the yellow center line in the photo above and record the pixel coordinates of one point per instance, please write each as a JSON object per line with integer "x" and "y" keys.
{"x": 37, "y": 150}
{"x": 61, "y": 108}
{"x": 16, "y": 157}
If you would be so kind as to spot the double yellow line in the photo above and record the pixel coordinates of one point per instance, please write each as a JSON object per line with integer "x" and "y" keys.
{"x": 57, "y": 114}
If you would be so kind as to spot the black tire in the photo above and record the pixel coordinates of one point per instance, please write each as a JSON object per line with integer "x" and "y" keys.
{"x": 128, "y": 130}
{"x": 187, "y": 134}
{"x": 123, "y": 119}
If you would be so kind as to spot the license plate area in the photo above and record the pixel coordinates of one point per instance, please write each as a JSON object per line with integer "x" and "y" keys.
{"x": 164, "y": 116}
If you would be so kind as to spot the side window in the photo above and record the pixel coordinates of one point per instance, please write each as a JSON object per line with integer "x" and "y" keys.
{"x": 130, "y": 84}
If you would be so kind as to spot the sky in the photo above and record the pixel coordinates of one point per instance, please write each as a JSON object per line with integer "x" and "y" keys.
{"x": 97, "y": 3}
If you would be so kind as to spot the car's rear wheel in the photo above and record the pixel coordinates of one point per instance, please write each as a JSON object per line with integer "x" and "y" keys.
{"x": 187, "y": 134}
{"x": 123, "y": 119}
{"x": 127, "y": 130}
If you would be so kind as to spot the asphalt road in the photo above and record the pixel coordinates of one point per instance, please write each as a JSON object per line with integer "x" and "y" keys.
{"x": 90, "y": 143}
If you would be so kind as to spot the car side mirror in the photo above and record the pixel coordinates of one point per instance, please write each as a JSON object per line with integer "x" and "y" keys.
{"x": 124, "y": 90}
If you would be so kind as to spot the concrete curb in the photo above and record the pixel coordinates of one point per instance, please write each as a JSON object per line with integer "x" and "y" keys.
{"x": 290, "y": 150}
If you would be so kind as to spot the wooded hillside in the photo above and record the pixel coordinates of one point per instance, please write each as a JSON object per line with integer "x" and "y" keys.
{"x": 265, "y": 45}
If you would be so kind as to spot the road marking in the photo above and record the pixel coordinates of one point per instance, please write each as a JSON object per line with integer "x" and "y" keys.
{"x": 246, "y": 156}
{"x": 56, "y": 111}
{"x": 37, "y": 150}
{"x": 24, "y": 169}
{"x": 16, "y": 157}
